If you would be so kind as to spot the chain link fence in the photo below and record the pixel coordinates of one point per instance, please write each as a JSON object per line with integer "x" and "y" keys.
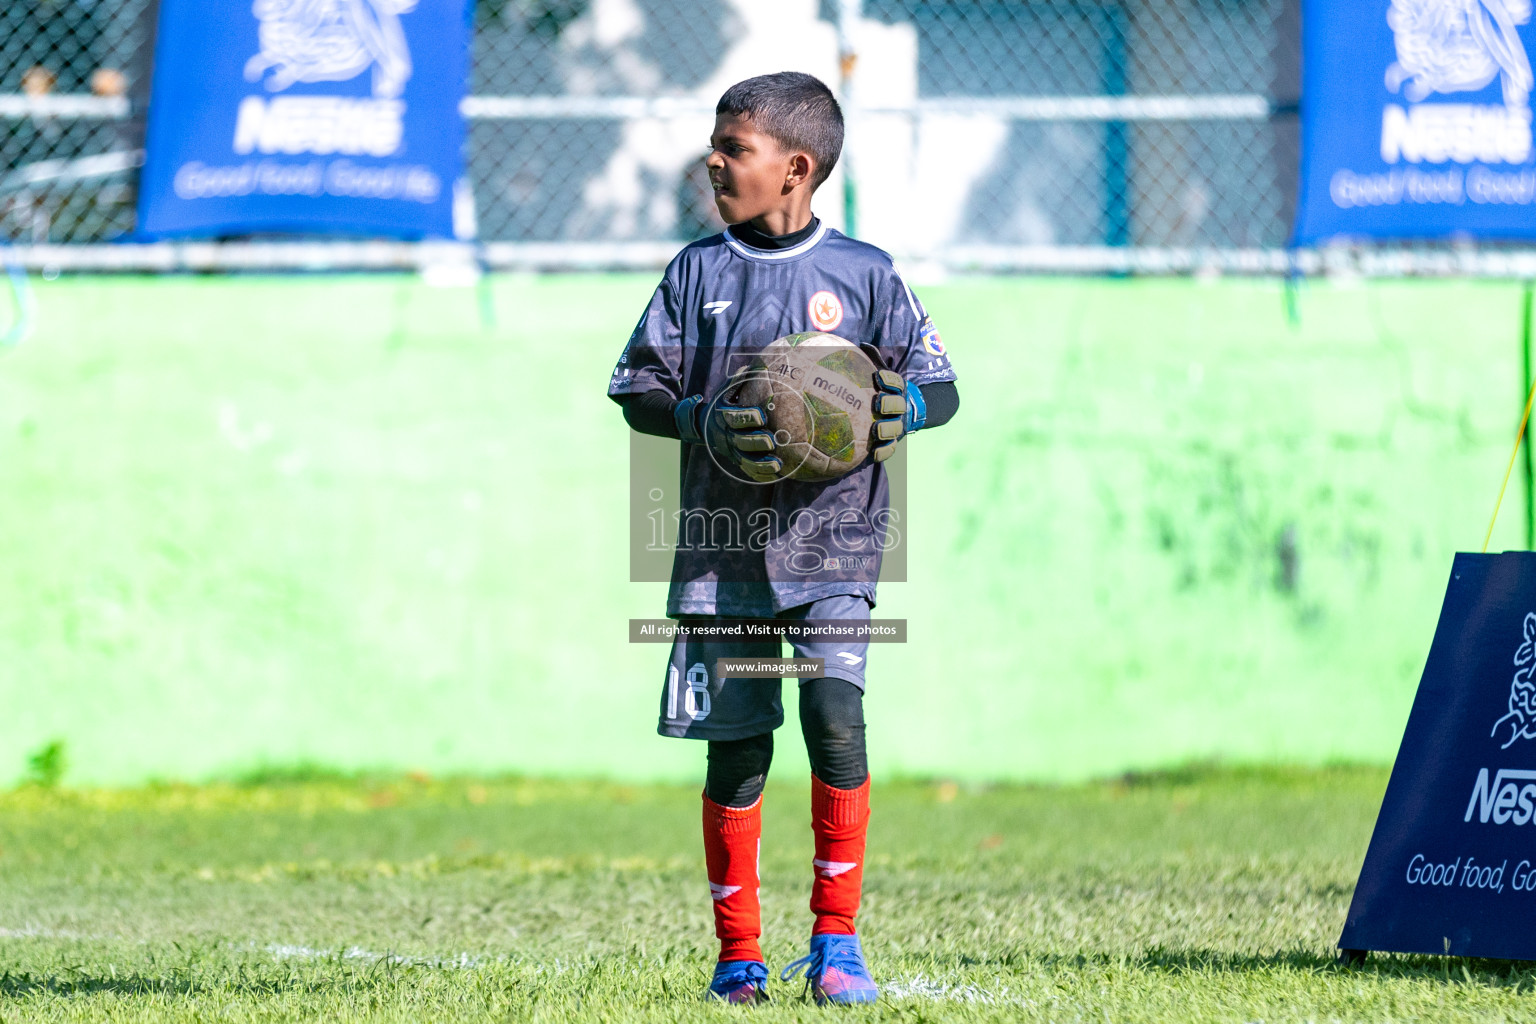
{"x": 981, "y": 132}
{"x": 69, "y": 142}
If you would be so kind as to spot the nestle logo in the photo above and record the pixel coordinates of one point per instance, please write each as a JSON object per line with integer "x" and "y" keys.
{"x": 319, "y": 124}
{"x": 1504, "y": 800}
{"x": 1438, "y": 132}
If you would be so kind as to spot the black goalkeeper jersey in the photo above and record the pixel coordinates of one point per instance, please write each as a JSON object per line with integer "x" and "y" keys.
{"x": 756, "y": 550}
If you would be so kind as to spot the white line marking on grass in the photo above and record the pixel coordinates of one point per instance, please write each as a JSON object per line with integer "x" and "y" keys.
{"x": 456, "y": 962}
{"x": 917, "y": 987}
{"x": 34, "y": 932}
{"x": 921, "y": 987}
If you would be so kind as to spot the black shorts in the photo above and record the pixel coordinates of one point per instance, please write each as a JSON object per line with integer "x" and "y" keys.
{"x": 697, "y": 705}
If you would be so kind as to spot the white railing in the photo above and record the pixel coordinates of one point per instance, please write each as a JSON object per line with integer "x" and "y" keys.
{"x": 458, "y": 262}
{"x": 1240, "y": 107}
{"x": 91, "y": 108}
{"x": 429, "y": 257}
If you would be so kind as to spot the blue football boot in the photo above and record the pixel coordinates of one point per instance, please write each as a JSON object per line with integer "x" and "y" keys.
{"x": 739, "y": 981}
{"x": 835, "y": 971}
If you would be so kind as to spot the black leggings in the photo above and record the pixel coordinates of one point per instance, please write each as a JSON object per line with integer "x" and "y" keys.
{"x": 832, "y": 719}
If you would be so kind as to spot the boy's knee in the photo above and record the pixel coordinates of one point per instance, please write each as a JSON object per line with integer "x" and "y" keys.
{"x": 832, "y": 719}
{"x": 738, "y": 770}
{"x": 831, "y": 705}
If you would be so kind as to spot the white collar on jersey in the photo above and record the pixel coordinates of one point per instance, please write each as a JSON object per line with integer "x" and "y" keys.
{"x": 751, "y": 253}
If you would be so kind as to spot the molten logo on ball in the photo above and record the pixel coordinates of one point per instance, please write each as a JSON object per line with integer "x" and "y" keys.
{"x": 821, "y": 428}
{"x": 848, "y": 396}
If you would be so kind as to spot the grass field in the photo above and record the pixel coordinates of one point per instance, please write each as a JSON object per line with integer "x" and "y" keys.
{"x": 1201, "y": 895}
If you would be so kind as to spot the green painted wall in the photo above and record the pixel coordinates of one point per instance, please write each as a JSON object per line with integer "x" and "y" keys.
{"x": 268, "y": 521}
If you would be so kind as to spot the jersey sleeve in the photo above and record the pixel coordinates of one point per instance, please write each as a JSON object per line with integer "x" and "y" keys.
{"x": 906, "y": 338}
{"x": 653, "y": 359}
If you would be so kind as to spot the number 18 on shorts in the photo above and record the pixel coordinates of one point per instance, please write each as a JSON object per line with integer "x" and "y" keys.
{"x": 697, "y": 704}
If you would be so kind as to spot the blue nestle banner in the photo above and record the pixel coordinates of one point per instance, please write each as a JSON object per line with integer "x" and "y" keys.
{"x": 1452, "y": 864}
{"x": 1416, "y": 120}
{"x": 305, "y": 116}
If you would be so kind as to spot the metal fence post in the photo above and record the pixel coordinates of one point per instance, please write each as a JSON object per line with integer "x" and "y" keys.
{"x": 848, "y": 14}
{"x": 1117, "y": 221}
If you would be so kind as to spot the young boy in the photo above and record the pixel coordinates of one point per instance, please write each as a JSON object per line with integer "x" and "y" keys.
{"x": 777, "y": 271}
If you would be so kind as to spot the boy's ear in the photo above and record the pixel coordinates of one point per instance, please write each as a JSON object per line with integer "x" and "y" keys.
{"x": 801, "y": 167}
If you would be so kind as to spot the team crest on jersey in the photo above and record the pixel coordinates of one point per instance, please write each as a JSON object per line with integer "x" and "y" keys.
{"x": 930, "y": 335}
{"x": 826, "y": 311}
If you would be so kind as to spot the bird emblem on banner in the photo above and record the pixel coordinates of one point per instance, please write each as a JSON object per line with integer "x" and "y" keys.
{"x": 331, "y": 41}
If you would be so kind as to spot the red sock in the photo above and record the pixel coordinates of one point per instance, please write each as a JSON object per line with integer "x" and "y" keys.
{"x": 839, "y": 818}
{"x": 732, "y": 837}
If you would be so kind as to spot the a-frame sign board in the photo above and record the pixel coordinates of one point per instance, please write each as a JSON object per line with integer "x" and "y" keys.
{"x": 1451, "y": 867}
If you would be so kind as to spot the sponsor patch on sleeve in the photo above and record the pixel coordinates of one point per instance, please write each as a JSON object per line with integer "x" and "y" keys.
{"x": 930, "y": 337}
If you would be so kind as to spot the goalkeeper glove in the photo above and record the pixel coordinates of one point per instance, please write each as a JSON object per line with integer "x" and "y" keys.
{"x": 734, "y": 433}
{"x": 898, "y": 410}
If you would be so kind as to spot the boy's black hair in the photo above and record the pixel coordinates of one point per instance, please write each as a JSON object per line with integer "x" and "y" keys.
{"x": 796, "y": 110}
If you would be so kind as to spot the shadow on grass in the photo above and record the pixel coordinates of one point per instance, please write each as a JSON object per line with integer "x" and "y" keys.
{"x": 1444, "y": 970}
{"x": 1450, "y": 969}
{"x": 185, "y": 983}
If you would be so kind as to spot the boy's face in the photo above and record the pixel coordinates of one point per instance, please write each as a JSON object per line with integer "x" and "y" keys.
{"x": 751, "y": 173}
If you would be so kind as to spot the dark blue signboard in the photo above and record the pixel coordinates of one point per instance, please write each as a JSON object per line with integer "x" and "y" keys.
{"x": 1452, "y": 864}
{"x": 1416, "y": 120}
{"x": 305, "y": 115}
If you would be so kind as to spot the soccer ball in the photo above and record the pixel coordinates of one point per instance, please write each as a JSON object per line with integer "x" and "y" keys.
{"x": 817, "y": 392}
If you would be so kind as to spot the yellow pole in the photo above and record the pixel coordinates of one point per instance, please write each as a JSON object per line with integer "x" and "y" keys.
{"x": 1523, "y": 421}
